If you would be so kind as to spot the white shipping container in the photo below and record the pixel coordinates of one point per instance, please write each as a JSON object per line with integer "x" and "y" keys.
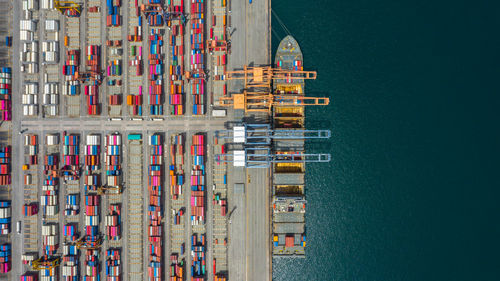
{"x": 47, "y": 4}
{"x": 52, "y": 139}
{"x": 51, "y": 210}
{"x": 27, "y": 25}
{"x": 5, "y": 213}
{"x": 32, "y": 150}
{"x": 51, "y": 110}
{"x": 25, "y": 35}
{"x": 52, "y": 25}
{"x": 93, "y": 140}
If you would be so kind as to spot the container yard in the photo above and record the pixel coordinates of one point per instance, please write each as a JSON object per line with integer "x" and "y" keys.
{"x": 112, "y": 141}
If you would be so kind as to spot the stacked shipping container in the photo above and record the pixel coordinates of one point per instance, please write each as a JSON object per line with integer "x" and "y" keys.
{"x": 113, "y": 265}
{"x": 198, "y": 180}
{"x": 92, "y": 162}
{"x": 198, "y": 207}
{"x": 92, "y": 237}
{"x": 155, "y": 207}
{"x": 92, "y": 90}
{"x": 176, "y": 169}
{"x": 71, "y": 152}
{"x": 5, "y": 93}
{"x": 5, "y": 168}
{"x": 70, "y": 263}
{"x": 113, "y": 18}
{"x": 50, "y": 239}
{"x": 198, "y": 264}
{"x": 155, "y": 73}
{"x": 5, "y": 258}
{"x": 176, "y": 69}
{"x": 31, "y": 144}
{"x": 50, "y": 189}
{"x": 197, "y": 56}
{"x": 5, "y": 217}
{"x": 113, "y": 222}
{"x": 70, "y": 69}
{"x": 176, "y": 268}
{"x": 113, "y": 160}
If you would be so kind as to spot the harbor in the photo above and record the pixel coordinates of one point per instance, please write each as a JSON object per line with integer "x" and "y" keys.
{"x": 147, "y": 142}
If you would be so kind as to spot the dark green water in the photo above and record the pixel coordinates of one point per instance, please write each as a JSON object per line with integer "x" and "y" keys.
{"x": 413, "y": 192}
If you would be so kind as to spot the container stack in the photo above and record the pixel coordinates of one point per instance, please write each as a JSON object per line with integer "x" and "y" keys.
{"x": 49, "y": 198}
{"x": 137, "y": 33}
{"x": 51, "y": 98}
{"x": 50, "y": 239}
{"x": 71, "y": 151}
{"x": 5, "y": 217}
{"x": 113, "y": 222}
{"x": 92, "y": 90}
{"x": 92, "y": 162}
{"x": 50, "y": 52}
{"x": 113, "y": 265}
{"x": 136, "y": 59}
{"x": 176, "y": 268}
{"x": 29, "y": 277}
{"x": 31, "y": 144}
{"x": 28, "y": 258}
{"x": 70, "y": 232}
{"x": 155, "y": 18}
{"x": 30, "y": 209}
{"x": 113, "y": 18}
{"x": 198, "y": 180}
{"x": 198, "y": 56}
{"x": 113, "y": 161}
{"x": 216, "y": 200}
{"x": 91, "y": 266}
{"x": 92, "y": 211}
{"x": 198, "y": 264}
{"x": 5, "y": 154}
{"x": 114, "y": 68}
{"x": 92, "y": 236}
{"x": 6, "y": 93}
{"x": 176, "y": 69}
{"x": 5, "y": 258}
{"x": 155, "y": 207}
{"x": 29, "y": 99}
{"x": 71, "y": 86}
{"x": 49, "y": 274}
{"x": 135, "y": 100}
{"x": 70, "y": 264}
{"x": 155, "y": 73}
{"x": 176, "y": 168}
{"x": 72, "y": 207}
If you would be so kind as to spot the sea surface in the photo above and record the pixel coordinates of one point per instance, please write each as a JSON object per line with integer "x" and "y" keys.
{"x": 413, "y": 191}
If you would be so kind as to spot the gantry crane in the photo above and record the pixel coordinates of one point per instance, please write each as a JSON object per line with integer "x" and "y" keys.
{"x": 89, "y": 76}
{"x": 83, "y": 243}
{"x": 46, "y": 263}
{"x": 148, "y": 9}
{"x": 262, "y": 102}
{"x": 261, "y": 76}
{"x": 258, "y": 96}
{"x": 109, "y": 190}
{"x": 73, "y": 8}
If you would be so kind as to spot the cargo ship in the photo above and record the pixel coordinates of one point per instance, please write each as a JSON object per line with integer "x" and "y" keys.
{"x": 288, "y": 189}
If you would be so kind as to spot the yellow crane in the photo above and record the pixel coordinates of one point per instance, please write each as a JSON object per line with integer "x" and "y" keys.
{"x": 83, "y": 243}
{"x": 46, "y": 263}
{"x": 68, "y": 8}
{"x": 262, "y": 102}
{"x": 109, "y": 190}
